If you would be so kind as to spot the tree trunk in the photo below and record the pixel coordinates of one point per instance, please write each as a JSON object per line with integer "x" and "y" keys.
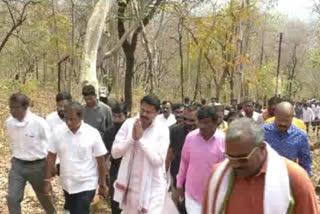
{"x": 37, "y": 69}
{"x": 130, "y": 47}
{"x": 292, "y": 70}
{"x": 44, "y": 69}
{"x": 95, "y": 26}
{"x": 180, "y": 31}
{"x": 198, "y": 75}
{"x": 60, "y": 71}
{"x": 231, "y": 85}
{"x": 72, "y": 48}
{"x": 128, "y": 78}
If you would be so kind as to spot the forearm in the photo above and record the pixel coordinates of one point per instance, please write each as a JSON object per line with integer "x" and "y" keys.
{"x": 102, "y": 170}
{"x": 169, "y": 158}
{"x": 181, "y": 177}
{"x": 51, "y": 159}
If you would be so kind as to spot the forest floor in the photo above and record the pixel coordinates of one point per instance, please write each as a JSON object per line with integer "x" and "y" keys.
{"x": 43, "y": 103}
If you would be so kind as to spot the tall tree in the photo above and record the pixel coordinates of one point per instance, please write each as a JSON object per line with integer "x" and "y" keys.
{"x": 94, "y": 31}
{"x": 129, "y": 45}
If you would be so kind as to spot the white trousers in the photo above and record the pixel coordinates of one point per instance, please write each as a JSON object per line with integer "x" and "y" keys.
{"x": 192, "y": 206}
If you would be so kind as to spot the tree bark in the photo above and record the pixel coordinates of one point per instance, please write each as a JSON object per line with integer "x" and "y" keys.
{"x": 95, "y": 26}
{"x": 60, "y": 71}
{"x": 130, "y": 47}
{"x": 16, "y": 23}
{"x": 180, "y": 31}
{"x": 198, "y": 75}
{"x": 72, "y": 48}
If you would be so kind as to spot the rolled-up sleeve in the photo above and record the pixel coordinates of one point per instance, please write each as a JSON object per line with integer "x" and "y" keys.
{"x": 99, "y": 148}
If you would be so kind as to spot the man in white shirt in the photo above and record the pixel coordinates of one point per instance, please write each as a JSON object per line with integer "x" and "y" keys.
{"x": 167, "y": 117}
{"x": 248, "y": 111}
{"x": 56, "y": 119}
{"x": 307, "y": 115}
{"x": 82, "y": 164}
{"x": 142, "y": 142}
{"x": 28, "y": 138}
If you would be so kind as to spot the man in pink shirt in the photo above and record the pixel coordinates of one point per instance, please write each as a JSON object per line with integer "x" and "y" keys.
{"x": 203, "y": 148}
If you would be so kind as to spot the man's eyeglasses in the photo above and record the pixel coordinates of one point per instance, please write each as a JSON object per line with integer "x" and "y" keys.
{"x": 242, "y": 159}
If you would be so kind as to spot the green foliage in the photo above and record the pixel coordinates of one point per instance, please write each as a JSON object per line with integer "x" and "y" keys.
{"x": 8, "y": 87}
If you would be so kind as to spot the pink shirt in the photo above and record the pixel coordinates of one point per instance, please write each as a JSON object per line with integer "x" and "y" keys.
{"x": 197, "y": 160}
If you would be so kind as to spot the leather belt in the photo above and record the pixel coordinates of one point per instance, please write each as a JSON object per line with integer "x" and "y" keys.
{"x": 30, "y": 162}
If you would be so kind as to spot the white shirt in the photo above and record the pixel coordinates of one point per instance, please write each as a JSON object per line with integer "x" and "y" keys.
{"x": 307, "y": 115}
{"x": 29, "y": 138}
{"x": 168, "y": 121}
{"x": 77, "y": 153}
{"x": 54, "y": 120}
{"x": 316, "y": 110}
{"x": 255, "y": 116}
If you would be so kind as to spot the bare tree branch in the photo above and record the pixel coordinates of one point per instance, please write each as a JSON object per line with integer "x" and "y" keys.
{"x": 16, "y": 23}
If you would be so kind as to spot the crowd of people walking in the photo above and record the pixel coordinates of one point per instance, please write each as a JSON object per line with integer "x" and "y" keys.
{"x": 168, "y": 158}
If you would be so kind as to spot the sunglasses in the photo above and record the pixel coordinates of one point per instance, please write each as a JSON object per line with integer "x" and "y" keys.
{"x": 189, "y": 120}
{"x": 242, "y": 159}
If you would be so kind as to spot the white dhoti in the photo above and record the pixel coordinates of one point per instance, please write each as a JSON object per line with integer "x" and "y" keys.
{"x": 192, "y": 206}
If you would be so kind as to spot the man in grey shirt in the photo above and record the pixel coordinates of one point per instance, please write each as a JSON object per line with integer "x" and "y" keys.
{"x": 96, "y": 113}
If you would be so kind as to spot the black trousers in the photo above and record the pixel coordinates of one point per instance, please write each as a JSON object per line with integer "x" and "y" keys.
{"x": 79, "y": 203}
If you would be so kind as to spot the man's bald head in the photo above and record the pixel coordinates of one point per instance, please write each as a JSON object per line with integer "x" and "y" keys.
{"x": 284, "y": 108}
{"x": 284, "y": 116}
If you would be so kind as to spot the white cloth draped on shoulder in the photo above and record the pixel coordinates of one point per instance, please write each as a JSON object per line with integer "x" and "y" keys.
{"x": 277, "y": 194}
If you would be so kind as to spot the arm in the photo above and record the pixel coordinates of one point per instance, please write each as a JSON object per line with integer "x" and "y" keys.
{"x": 49, "y": 171}
{"x": 108, "y": 139}
{"x": 122, "y": 142}
{"x": 302, "y": 190}
{"x": 51, "y": 160}
{"x": 102, "y": 176}
{"x": 99, "y": 151}
{"x": 184, "y": 164}
{"x": 169, "y": 158}
{"x": 304, "y": 155}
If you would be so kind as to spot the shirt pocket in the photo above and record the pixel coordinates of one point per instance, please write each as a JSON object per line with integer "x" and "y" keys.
{"x": 32, "y": 139}
{"x": 83, "y": 153}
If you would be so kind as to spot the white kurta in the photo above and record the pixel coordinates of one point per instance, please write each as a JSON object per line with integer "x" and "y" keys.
{"x": 148, "y": 152}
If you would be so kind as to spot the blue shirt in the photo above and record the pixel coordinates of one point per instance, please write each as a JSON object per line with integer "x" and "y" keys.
{"x": 293, "y": 144}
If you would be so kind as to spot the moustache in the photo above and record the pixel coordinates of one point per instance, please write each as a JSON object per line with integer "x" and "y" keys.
{"x": 143, "y": 117}
{"x": 61, "y": 114}
{"x": 282, "y": 127}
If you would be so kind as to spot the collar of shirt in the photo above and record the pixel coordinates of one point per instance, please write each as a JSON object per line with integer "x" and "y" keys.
{"x": 210, "y": 139}
{"x": 27, "y": 118}
{"x": 97, "y": 105}
{"x": 288, "y": 132}
{"x": 79, "y": 131}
